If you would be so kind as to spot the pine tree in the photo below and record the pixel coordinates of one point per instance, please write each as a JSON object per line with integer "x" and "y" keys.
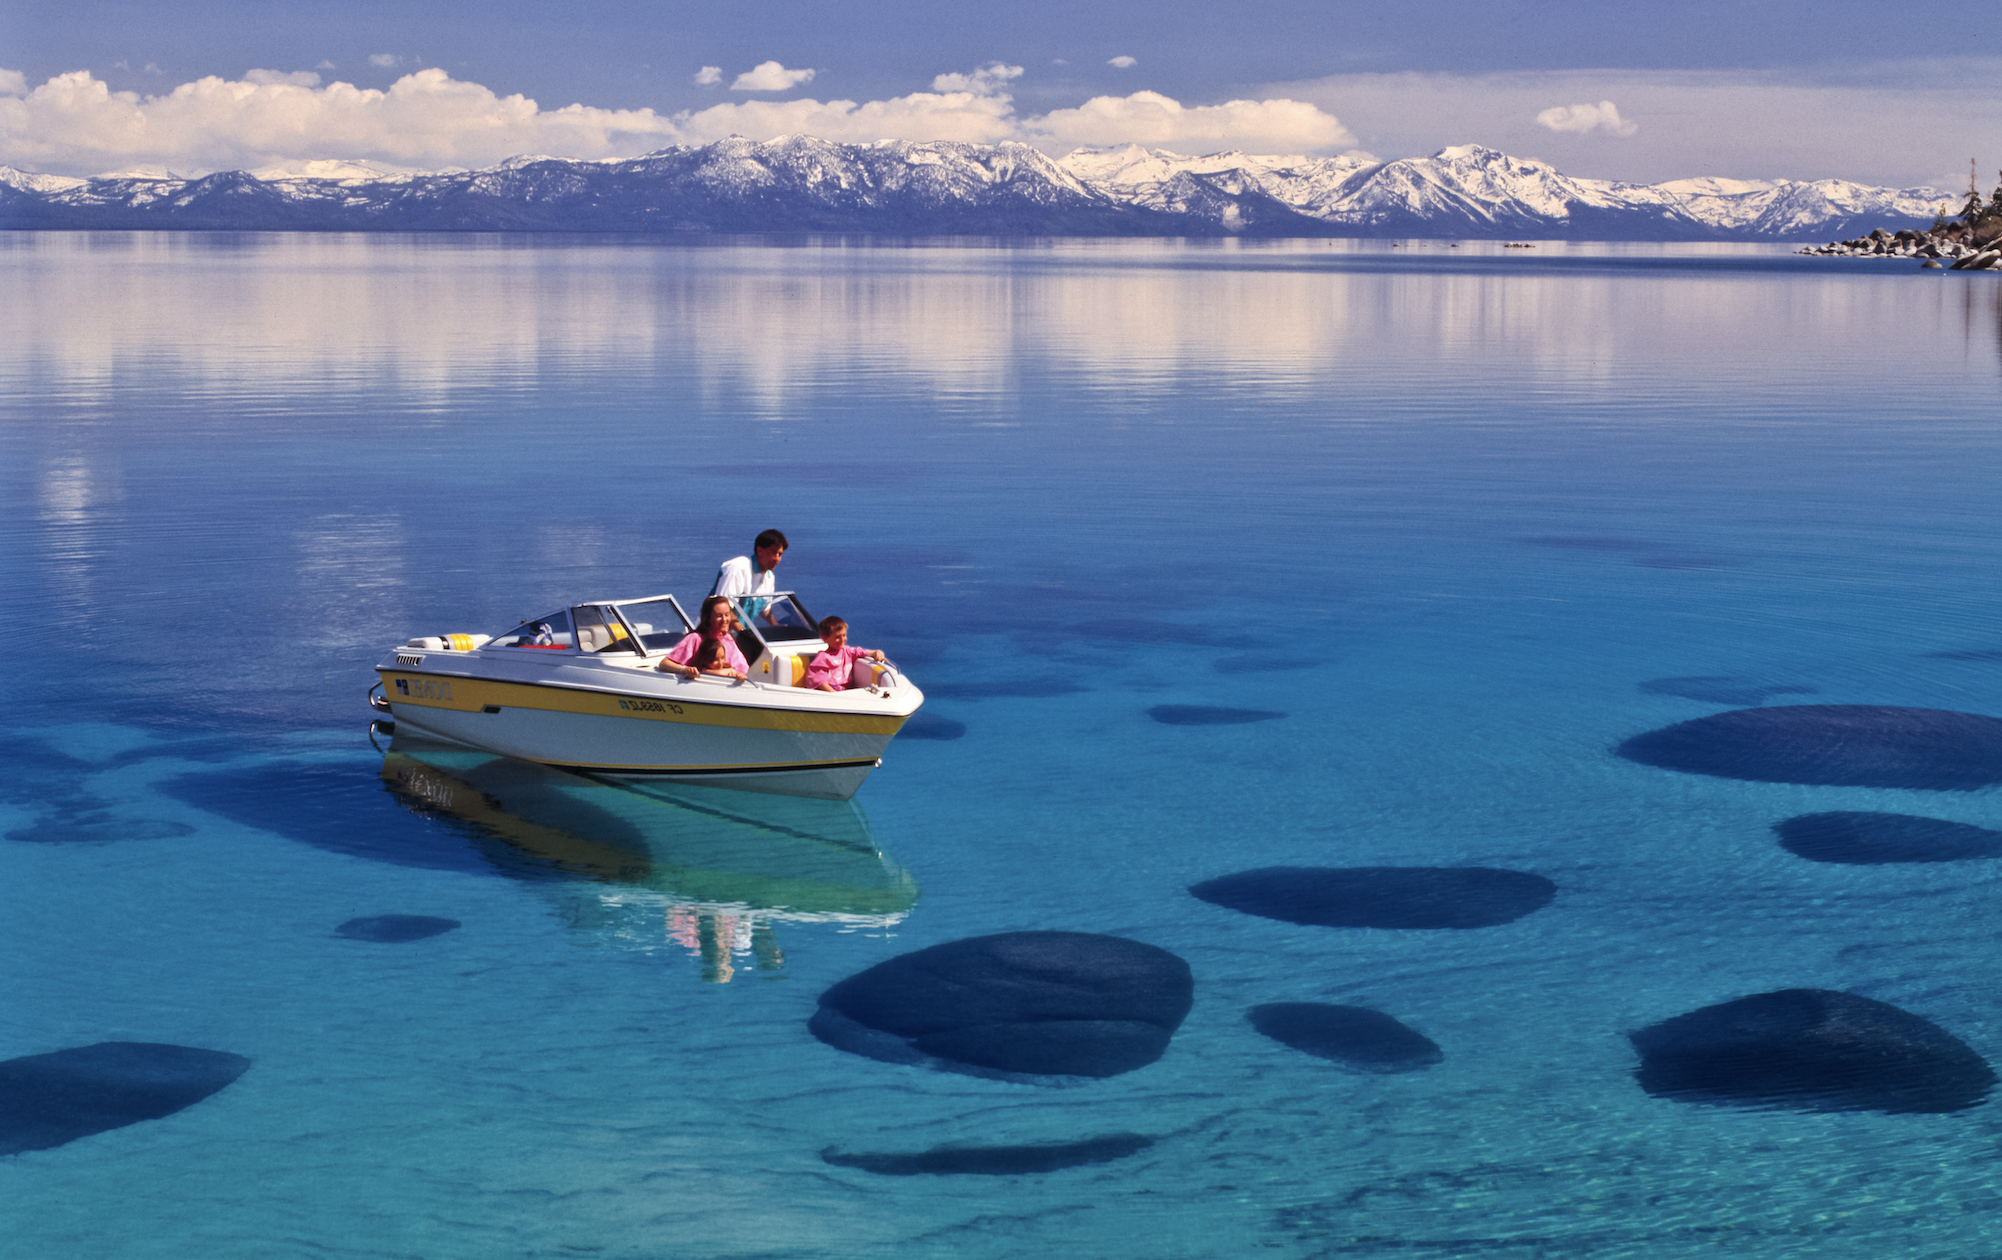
{"x": 1970, "y": 213}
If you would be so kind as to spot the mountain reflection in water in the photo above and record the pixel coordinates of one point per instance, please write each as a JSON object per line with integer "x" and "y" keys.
{"x": 710, "y": 871}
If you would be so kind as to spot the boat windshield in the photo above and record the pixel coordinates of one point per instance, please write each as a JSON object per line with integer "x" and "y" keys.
{"x": 778, "y": 618}
{"x": 659, "y": 623}
{"x": 551, "y": 633}
{"x": 599, "y": 630}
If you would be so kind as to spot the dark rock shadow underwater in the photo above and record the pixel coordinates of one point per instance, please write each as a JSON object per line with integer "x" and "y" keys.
{"x": 1810, "y": 1050}
{"x": 395, "y": 929}
{"x": 1862, "y": 838}
{"x": 993, "y": 1161}
{"x": 1832, "y": 745}
{"x": 344, "y": 808}
{"x": 49, "y": 786}
{"x": 1355, "y": 1037}
{"x": 1017, "y": 1005}
{"x": 1381, "y": 896}
{"x": 47, "y": 1100}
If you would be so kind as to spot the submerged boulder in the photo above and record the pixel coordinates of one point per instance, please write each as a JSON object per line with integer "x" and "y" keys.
{"x": 1810, "y": 1050}
{"x": 395, "y": 929}
{"x": 1353, "y": 1036}
{"x": 49, "y": 1099}
{"x": 1018, "y": 1004}
{"x": 1863, "y": 838}
{"x": 992, "y": 1161}
{"x": 1381, "y": 896}
{"x": 1834, "y": 745}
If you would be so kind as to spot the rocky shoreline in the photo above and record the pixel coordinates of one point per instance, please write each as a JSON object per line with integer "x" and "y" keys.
{"x": 1951, "y": 247}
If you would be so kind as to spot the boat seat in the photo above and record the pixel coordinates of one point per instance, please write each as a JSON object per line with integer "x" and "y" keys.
{"x": 785, "y": 671}
{"x": 865, "y": 673}
{"x": 593, "y": 638}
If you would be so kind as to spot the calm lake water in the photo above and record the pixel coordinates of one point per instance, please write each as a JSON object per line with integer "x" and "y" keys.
{"x": 1455, "y": 513}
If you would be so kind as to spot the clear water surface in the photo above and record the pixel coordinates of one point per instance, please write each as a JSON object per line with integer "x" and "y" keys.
{"x": 1448, "y": 510}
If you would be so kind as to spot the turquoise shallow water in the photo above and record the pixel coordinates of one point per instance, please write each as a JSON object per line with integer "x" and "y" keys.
{"x": 1447, "y": 511}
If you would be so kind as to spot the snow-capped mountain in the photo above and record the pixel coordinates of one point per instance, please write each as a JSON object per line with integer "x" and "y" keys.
{"x": 800, "y": 184}
{"x": 1475, "y": 192}
{"x": 26, "y": 181}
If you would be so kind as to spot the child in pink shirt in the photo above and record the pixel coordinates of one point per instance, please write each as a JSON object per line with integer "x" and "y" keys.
{"x": 709, "y": 650}
{"x": 830, "y": 670}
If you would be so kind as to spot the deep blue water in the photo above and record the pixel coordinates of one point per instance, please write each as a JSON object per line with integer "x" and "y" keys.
{"x": 1456, "y": 514}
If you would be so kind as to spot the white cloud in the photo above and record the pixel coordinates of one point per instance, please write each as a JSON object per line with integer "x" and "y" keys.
{"x": 1605, "y": 116}
{"x": 1122, "y": 61}
{"x": 75, "y": 124}
{"x": 985, "y": 81}
{"x": 384, "y": 60}
{"x": 13, "y": 83}
{"x": 708, "y": 76}
{"x": 272, "y": 78}
{"x": 426, "y": 119}
{"x": 770, "y": 76}
{"x": 324, "y": 65}
{"x": 975, "y": 117}
{"x": 1149, "y": 118}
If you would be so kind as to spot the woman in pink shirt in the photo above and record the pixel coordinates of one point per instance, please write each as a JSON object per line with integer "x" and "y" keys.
{"x": 830, "y": 670}
{"x": 710, "y": 650}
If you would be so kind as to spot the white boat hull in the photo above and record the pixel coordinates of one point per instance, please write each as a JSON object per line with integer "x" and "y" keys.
{"x": 616, "y": 721}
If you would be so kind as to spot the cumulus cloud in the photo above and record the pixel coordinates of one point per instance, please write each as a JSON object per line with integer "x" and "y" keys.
{"x": 13, "y": 83}
{"x": 1150, "y": 118}
{"x": 270, "y": 78}
{"x": 770, "y": 76}
{"x": 974, "y": 117}
{"x": 708, "y": 76}
{"x": 1605, "y": 116}
{"x": 75, "y": 124}
{"x": 426, "y": 119}
{"x": 985, "y": 81}
{"x": 384, "y": 60}
{"x": 1122, "y": 61}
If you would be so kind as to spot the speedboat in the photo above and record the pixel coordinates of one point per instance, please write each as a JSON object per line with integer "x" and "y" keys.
{"x": 581, "y": 689}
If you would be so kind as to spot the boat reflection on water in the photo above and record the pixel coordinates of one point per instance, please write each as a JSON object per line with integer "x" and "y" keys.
{"x": 705, "y": 869}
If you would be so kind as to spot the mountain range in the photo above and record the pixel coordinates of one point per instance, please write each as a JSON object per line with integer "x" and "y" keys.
{"x": 913, "y": 188}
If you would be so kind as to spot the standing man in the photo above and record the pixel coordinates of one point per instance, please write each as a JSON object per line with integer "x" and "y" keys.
{"x": 752, "y": 574}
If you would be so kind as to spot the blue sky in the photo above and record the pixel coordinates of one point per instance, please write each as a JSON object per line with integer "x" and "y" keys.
{"x": 1696, "y": 87}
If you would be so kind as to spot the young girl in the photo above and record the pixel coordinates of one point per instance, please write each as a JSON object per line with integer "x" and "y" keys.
{"x": 709, "y": 650}
{"x": 830, "y": 670}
